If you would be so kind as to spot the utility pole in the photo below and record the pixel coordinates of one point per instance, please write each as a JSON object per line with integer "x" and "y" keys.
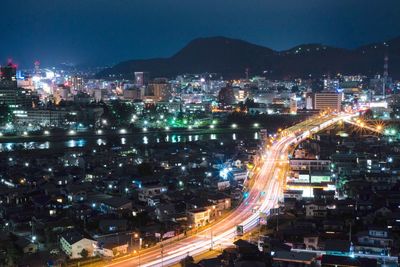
{"x": 162, "y": 255}
{"x": 211, "y": 247}
{"x": 350, "y": 232}
{"x": 140, "y": 247}
{"x": 277, "y": 221}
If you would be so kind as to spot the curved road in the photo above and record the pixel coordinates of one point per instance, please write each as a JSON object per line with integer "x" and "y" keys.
{"x": 263, "y": 196}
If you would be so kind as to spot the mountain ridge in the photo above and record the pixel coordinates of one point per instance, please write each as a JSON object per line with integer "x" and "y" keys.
{"x": 231, "y": 57}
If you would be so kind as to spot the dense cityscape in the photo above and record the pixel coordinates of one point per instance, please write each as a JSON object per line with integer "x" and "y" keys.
{"x": 189, "y": 161}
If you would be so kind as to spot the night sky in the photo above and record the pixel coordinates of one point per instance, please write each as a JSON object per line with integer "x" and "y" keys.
{"x": 107, "y": 31}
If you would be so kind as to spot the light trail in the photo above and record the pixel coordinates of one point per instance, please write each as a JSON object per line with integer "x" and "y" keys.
{"x": 269, "y": 180}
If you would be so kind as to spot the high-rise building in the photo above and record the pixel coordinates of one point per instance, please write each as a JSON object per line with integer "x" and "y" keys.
{"x": 331, "y": 85}
{"x": 161, "y": 90}
{"x": 293, "y": 104}
{"x": 10, "y": 94}
{"x": 16, "y": 98}
{"x": 327, "y": 101}
{"x": 37, "y": 68}
{"x": 76, "y": 83}
{"x": 8, "y": 76}
{"x": 309, "y": 101}
{"x": 141, "y": 78}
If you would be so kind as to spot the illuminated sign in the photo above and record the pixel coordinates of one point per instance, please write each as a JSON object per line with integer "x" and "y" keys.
{"x": 320, "y": 178}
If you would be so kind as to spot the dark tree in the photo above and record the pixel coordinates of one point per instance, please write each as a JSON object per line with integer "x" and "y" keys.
{"x": 145, "y": 169}
{"x": 186, "y": 261}
{"x": 84, "y": 253}
{"x": 368, "y": 114}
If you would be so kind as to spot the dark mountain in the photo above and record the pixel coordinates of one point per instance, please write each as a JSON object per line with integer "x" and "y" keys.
{"x": 231, "y": 57}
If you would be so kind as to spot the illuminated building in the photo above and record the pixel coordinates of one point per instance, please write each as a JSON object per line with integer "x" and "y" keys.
{"x": 76, "y": 83}
{"x": 141, "y": 78}
{"x": 240, "y": 94}
{"x": 44, "y": 117}
{"x": 309, "y": 101}
{"x": 16, "y": 98}
{"x": 133, "y": 93}
{"x": 331, "y": 85}
{"x": 37, "y": 68}
{"x": 293, "y": 104}
{"x": 8, "y": 76}
{"x": 327, "y": 100}
{"x": 26, "y": 83}
{"x": 309, "y": 164}
{"x": 198, "y": 217}
{"x": 159, "y": 90}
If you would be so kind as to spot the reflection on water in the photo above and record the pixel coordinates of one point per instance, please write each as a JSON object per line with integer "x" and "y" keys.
{"x": 100, "y": 142}
{"x": 76, "y": 143}
{"x": 9, "y": 146}
{"x": 131, "y": 140}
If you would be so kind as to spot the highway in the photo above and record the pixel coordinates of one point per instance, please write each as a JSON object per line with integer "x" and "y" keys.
{"x": 265, "y": 193}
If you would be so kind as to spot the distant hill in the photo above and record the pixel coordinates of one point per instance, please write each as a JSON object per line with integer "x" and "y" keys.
{"x": 231, "y": 57}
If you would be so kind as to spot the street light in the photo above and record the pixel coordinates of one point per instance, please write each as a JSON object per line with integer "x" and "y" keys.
{"x": 136, "y": 236}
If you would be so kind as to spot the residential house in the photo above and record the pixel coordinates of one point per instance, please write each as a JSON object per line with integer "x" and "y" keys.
{"x": 198, "y": 217}
{"x": 73, "y": 243}
{"x": 26, "y": 245}
{"x": 147, "y": 194}
{"x": 374, "y": 241}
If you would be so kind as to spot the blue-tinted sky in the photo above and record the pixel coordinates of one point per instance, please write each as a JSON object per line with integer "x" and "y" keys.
{"x": 107, "y": 31}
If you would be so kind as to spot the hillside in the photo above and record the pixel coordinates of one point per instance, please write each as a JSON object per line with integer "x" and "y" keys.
{"x": 230, "y": 58}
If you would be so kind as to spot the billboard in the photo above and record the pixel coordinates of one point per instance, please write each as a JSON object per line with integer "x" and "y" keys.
{"x": 320, "y": 178}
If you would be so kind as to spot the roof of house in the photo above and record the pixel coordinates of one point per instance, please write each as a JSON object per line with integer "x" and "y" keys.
{"x": 116, "y": 202}
{"x": 347, "y": 261}
{"x": 337, "y": 245}
{"x": 72, "y": 236}
{"x": 22, "y": 242}
{"x": 294, "y": 256}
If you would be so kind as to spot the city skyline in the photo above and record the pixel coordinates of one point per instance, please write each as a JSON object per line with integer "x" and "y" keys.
{"x": 100, "y": 33}
{"x": 200, "y": 133}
